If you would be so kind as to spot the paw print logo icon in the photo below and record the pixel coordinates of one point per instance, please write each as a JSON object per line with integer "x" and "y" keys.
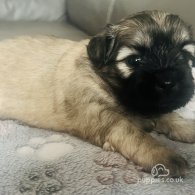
{"x": 159, "y": 170}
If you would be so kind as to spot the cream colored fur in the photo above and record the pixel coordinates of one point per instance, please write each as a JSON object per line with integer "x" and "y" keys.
{"x": 39, "y": 76}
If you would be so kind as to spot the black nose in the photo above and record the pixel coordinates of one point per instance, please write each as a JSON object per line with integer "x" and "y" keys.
{"x": 165, "y": 85}
{"x": 166, "y": 79}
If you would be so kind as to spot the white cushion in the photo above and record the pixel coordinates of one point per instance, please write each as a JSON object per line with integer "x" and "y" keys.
{"x": 44, "y": 10}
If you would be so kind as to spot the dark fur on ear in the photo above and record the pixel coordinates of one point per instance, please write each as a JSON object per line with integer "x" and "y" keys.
{"x": 189, "y": 47}
{"x": 101, "y": 46}
{"x": 193, "y": 61}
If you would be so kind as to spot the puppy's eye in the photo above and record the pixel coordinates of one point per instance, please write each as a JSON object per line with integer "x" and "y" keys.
{"x": 134, "y": 60}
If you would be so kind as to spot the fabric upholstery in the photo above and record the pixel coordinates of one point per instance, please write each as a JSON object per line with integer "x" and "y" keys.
{"x": 58, "y": 29}
{"x": 185, "y": 9}
{"x": 89, "y": 15}
{"x": 92, "y": 15}
{"x": 44, "y": 10}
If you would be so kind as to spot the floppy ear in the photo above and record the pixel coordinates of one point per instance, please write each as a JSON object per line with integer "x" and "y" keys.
{"x": 190, "y": 48}
{"x": 101, "y": 46}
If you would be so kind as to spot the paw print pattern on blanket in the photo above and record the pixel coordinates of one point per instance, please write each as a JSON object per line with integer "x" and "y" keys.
{"x": 115, "y": 168}
{"x": 45, "y": 149}
{"x": 41, "y": 182}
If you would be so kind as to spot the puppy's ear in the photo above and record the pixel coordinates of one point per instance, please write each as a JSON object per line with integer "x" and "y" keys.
{"x": 100, "y": 47}
{"x": 190, "y": 48}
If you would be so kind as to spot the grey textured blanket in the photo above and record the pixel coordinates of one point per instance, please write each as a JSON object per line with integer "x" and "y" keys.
{"x": 35, "y": 161}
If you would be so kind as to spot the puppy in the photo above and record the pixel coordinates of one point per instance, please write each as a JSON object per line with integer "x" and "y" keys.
{"x": 126, "y": 82}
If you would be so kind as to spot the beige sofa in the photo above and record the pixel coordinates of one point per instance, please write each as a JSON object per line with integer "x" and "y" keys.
{"x": 59, "y": 17}
{"x": 92, "y": 15}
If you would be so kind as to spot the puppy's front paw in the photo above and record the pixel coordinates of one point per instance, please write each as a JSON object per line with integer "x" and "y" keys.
{"x": 177, "y": 165}
{"x": 169, "y": 164}
{"x": 176, "y": 127}
{"x": 183, "y": 130}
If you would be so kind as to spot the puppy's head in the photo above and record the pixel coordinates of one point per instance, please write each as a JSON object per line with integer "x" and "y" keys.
{"x": 147, "y": 60}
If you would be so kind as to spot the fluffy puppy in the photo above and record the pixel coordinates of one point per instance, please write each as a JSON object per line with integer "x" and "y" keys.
{"x": 129, "y": 79}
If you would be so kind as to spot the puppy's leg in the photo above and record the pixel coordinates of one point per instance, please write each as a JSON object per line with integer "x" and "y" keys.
{"x": 176, "y": 127}
{"x": 143, "y": 149}
{"x": 115, "y": 132}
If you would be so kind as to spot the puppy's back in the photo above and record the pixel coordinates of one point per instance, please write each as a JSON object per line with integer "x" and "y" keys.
{"x": 28, "y": 76}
